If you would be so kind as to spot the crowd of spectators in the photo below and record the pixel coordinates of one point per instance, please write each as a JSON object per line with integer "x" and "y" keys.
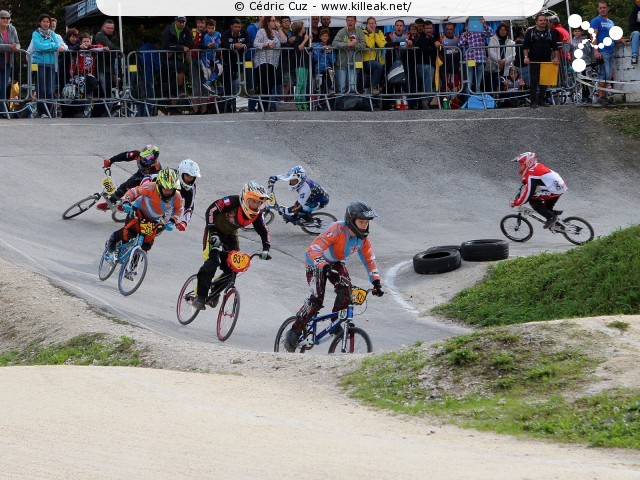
{"x": 276, "y": 59}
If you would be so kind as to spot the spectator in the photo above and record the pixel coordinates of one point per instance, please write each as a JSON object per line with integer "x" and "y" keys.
{"x": 372, "y": 59}
{"x": 324, "y": 23}
{"x": 349, "y": 41}
{"x": 475, "y": 55}
{"x": 267, "y": 56}
{"x": 301, "y": 40}
{"x": 451, "y": 57}
{"x": 54, "y": 24}
{"x": 82, "y": 71}
{"x": 400, "y": 42}
{"x": 419, "y": 23}
{"x": 601, "y": 25}
{"x": 107, "y": 59}
{"x": 197, "y": 35}
{"x": 540, "y": 45}
{"x": 323, "y": 60}
{"x": 236, "y": 39}
{"x": 315, "y": 30}
{"x": 583, "y": 92}
{"x": 176, "y": 38}
{"x": 500, "y": 53}
{"x": 428, "y": 46}
{"x": 71, "y": 38}
{"x": 65, "y": 59}
{"x": 45, "y": 45}
{"x": 210, "y": 62}
{"x": 519, "y": 60}
{"x": 634, "y": 28}
{"x": 513, "y": 86}
{"x": 9, "y": 43}
{"x": 288, "y": 63}
{"x": 150, "y": 60}
{"x": 562, "y": 33}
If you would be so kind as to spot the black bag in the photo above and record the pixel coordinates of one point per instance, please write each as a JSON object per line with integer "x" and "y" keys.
{"x": 351, "y": 102}
{"x": 397, "y": 75}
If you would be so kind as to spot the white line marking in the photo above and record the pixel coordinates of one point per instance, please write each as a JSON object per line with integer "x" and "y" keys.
{"x": 390, "y": 282}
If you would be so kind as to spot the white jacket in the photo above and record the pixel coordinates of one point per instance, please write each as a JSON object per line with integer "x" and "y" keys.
{"x": 493, "y": 55}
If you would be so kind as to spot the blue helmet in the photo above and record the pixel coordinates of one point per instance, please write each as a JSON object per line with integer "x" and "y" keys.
{"x": 296, "y": 173}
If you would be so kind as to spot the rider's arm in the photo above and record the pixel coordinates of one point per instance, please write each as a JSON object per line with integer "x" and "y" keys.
{"x": 368, "y": 259}
{"x": 524, "y": 192}
{"x": 328, "y": 238}
{"x": 125, "y": 156}
{"x": 178, "y": 207}
{"x": 133, "y": 193}
{"x": 262, "y": 230}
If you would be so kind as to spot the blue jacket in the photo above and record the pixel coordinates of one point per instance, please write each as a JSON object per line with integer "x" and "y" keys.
{"x": 44, "y": 48}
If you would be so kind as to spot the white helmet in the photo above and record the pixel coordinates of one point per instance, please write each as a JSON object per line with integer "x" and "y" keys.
{"x": 296, "y": 173}
{"x": 191, "y": 168}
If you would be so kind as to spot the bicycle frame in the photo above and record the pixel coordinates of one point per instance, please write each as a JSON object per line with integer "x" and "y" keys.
{"x": 125, "y": 250}
{"x": 338, "y": 318}
{"x": 527, "y": 211}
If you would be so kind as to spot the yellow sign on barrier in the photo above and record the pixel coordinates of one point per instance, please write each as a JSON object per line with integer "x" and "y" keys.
{"x": 549, "y": 74}
{"x": 34, "y": 67}
{"x": 133, "y": 68}
{"x": 359, "y": 65}
{"x": 248, "y": 64}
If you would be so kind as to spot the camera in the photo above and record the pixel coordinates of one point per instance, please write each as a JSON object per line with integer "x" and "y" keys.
{"x": 403, "y": 44}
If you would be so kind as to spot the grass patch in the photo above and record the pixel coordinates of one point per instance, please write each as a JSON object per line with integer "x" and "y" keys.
{"x": 599, "y": 278}
{"x": 622, "y": 326}
{"x": 84, "y": 349}
{"x": 627, "y": 122}
{"x": 518, "y": 383}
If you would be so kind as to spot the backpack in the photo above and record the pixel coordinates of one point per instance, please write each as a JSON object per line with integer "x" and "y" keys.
{"x": 476, "y": 102}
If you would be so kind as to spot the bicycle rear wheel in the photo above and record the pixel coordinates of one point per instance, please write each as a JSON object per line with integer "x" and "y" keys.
{"x": 358, "y": 341}
{"x": 577, "y": 230}
{"x": 81, "y": 206}
{"x": 106, "y": 268}
{"x": 132, "y": 272}
{"x": 278, "y": 345}
{"x": 228, "y": 314}
{"x": 184, "y": 309}
{"x": 516, "y": 228}
{"x": 320, "y": 221}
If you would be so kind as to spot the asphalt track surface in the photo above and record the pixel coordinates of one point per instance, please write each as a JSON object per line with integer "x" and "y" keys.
{"x": 434, "y": 178}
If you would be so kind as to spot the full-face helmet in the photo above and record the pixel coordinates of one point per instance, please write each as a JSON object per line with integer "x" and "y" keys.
{"x": 253, "y": 190}
{"x": 296, "y": 173}
{"x": 148, "y": 157}
{"x": 525, "y": 161}
{"x": 167, "y": 179}
{"x": 191, "y": 168}
{"x": 358, "y": 210}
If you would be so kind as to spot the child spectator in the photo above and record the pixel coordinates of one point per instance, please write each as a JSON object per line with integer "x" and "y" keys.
{"x": 513, "y": 85}
{"x": 83, "y": 67}
{"x": 211, "y": 65}
{"x": 323, "y": 61}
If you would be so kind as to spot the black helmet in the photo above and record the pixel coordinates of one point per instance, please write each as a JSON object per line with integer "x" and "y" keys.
{"x": 358, "y": 210}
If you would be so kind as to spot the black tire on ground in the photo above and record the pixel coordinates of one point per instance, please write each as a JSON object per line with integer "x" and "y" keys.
{"x": 444, "y": 247}
{"x": 438, "y": 261}
{"x": 485, "y": 250}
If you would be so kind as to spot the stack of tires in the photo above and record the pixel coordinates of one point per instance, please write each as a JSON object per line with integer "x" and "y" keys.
{"x": 446, "y": 258}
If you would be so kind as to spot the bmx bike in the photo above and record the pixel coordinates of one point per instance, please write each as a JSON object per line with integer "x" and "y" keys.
{"x": 108, "y": 188}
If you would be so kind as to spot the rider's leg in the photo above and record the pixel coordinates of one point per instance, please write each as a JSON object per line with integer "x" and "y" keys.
{"x": 206, "y": 274}
{"x": 542, "y": 208}
{"x": 126, "y": 233}
{"x": 312, "y": 305}
{"x": 343, "y": 292}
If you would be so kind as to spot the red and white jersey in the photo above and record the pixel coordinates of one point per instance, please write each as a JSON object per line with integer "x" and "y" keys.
{"x": 541, "y": 183}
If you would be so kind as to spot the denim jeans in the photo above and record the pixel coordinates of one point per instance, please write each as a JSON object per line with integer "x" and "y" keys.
{"x": 475, "y": 75}
{"x": 374, "y": 69}
{"x": 428, "y": 72}
{"x": 341, "y": 79}
{"x": 45, "y": 80}
{"x": 605, "y": 70}
{"x": 5, "y": 83}
{"x": 635, "y": 43}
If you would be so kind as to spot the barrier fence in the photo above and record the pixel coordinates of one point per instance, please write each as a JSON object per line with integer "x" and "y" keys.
{"x": 107, "y": 83}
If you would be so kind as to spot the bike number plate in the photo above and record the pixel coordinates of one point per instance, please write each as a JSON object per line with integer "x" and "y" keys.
{"x": 108, "y": 185}
{"x": 272, "y": 199}
{"x": 238, "y": 261}
{"x": 146, "y": 228}
{"x": 358, "y": 296}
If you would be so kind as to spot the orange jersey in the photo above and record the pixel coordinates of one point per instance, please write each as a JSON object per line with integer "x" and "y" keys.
{"x": 146, "y": 198}
{"x": 335, "y": 245}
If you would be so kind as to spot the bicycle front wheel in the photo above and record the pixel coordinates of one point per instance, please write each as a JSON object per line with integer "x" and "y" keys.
{"x": 358, "y": 341}
{"x": 516, "y": 228}
{"x": 132, "y": 272}
{"x": 184, "y": 309}
{"x": 106, "y": 268}
{"x": 320, "y": 221}
{"x": 577, "y": 230}
{"x": 228, "y": 314}
{"x": 80, "y": 207}
{"x": 268, "y": 218}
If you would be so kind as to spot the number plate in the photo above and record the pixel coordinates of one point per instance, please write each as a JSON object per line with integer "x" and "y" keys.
{"x": 272, "y": 199}
{"x": 358, "y": 296}
{"x": 108, "y": 185}
{"x": 146, "y": 228}
{"x": 238, "y": 261}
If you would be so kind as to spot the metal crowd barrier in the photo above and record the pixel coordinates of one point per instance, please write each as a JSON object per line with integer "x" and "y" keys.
{"x": 106, "y": 83}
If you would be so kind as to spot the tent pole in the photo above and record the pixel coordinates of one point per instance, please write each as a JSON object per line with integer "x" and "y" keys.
{"x": 568, "y": 10}
{"x": 124, "y": 76}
